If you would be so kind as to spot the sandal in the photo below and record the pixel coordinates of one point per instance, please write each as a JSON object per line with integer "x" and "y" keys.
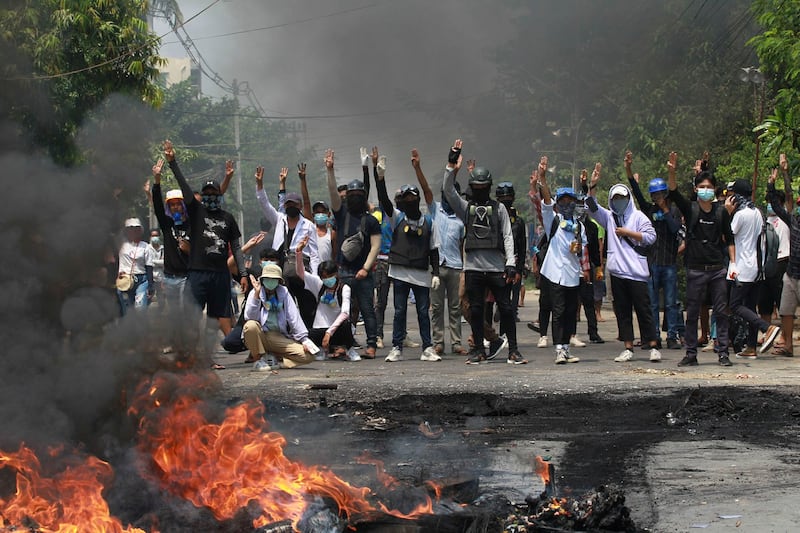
{"x": 783, "y": 352}
{"x": 217, "y": 366}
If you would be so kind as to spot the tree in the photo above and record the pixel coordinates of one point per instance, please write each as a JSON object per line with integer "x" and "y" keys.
{"x": 64, "y": 57}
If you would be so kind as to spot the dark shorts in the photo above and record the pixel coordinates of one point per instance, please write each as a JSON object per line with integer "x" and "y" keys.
{"x": 212, "y": 290}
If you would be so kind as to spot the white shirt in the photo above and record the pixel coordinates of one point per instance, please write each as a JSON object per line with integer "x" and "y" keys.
{"x": 325, "y": 247}
{"x": 326, "y": 313}
{"x": 158, "y": 262}
{"x": 560, "y": 265}
{"x": 137, "y": 255}
{"x": 746, "y": 228}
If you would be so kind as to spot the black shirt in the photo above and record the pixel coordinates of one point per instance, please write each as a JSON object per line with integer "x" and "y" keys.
{"x": 176, "y": 262}
{"x": 371, "y": 227}
{"x": 706, "y": 241}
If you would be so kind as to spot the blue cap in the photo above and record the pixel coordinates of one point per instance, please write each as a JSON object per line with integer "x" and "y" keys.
{"x": 657, "y": 185}
{"x": 565, "y": 191}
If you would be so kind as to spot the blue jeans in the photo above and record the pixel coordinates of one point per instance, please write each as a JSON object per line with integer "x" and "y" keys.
{"x": 423, "y": 302}
{"x": 136, "y": 297}
{"x": 664, "y": 277}
{"x": 363, "y": 291}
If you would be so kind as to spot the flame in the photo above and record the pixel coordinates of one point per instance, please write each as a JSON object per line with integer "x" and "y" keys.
{"x": 542, "y": 469}
{"x": 70, "y": 501}
{"x": 391, "y": 483}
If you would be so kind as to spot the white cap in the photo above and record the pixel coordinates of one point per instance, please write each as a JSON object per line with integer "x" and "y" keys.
{"x": 133, "y": 223}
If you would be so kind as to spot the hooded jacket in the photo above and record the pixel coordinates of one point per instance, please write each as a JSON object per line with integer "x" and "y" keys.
{"x": 622, "y": 260}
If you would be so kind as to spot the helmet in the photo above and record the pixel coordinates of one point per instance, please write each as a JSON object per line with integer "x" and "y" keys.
{"x": 356, "y": 185}
{"x": 565, "y": 191}
{"x": 480, "y": 175}
{"x": 657, "y": 185}
{"x": 505, "y": 188}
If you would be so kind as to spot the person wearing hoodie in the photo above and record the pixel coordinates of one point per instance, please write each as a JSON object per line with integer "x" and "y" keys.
{"x": 628, "y": 232}
{"x": 564, "y": 263}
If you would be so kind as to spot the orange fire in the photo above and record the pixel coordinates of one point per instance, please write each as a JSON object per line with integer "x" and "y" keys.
{"x": 69, "y": 501}
{"x": 390, "y": 483}
{"x": 227, "y": 465}
{"x": 542, "y": 469}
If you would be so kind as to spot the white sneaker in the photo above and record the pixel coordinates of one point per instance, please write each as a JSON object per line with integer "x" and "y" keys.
{"x": 624, "y": 356}
{"x": 379, "y": 343}
{"x": 655, "y": 355}
{"x": 409, "y": 343}
{"x": 352, "y": 355}
{"x": 542, "y": 342}
{"x": 571, "y": 358}
{"x": 561, "y": 356}
{"x": 321, "y": 356}
{"x": 575, "y": 341}
{"x": 260, "y": 366}
{"x": 430, "y": 355}
{"x": 272, "y": 361}
{"x": 395, "y": 354}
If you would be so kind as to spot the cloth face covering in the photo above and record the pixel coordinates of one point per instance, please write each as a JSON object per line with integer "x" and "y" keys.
{"x": 619, "y": 205}
{"x": 481, "y": 195}
{"x": 212, "y": 202}
{"x": 567, "y": 210}
{"x": 292, "y": 212}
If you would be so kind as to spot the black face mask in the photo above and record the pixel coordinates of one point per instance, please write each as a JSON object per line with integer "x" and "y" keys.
{"x": 356, "y": 204}
{"x": 292, "y": 212}
{"x": 410, "y": 208}
{"x": 508, "y": 203}
{"x": 480, "y": 196}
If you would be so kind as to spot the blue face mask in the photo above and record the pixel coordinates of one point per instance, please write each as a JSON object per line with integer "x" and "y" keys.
{"x": 320, "y": 219}
{"x": 270, "y": 284}
{"x": 619, "y": 205}
{"x": 705, "y": 194}
{"x": 770, "y": 211}
{"x": 329, "y": 282}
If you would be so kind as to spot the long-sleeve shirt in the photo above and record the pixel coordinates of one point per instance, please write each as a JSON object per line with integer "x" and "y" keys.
{"x": 448, "y": 236}
{"x": 280, "y": 224}
{"x": 176, "y": 263}
{"x": 665, "y": 250}
{"x": 560, "y": 265}
{"x": 708, "y": 238}
{"x": 622, "y": 260}
{"x": 481, "y": 260}
{"x": 793, "y": 221}
{"x": 289, "y": 323}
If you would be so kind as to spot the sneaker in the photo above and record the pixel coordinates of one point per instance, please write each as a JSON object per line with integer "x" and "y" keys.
{"x": 486, "y": 343}
{"x": 476, "y": 357}
{"x": 747, "y": 353}
{"x": 561, "y": 356}
{"x": 379, "y": 343}
{"x": 575, "y": 341}
{"x": 724, "y": 360}
{"x": 655, "y": 355}
{"x": 409, "y": 343}
{"x": 596, "y": 340}
{"x": 571, "y": 358}
{"x": 321, "y": 356}
{"x": 673, "y": 344}
{"x": 272, "y": 361}
{"x": 542, "y": 342}
{"x": 534, "y": 326}
{"x": 624, "y": 356}
{"x": 688, "y": 360}
{"x": 260, "y": 366}
{"x": 395, "y": 354}
{"x": 360, "y": 322}
{"x": 708, "y": 347}
{"x": 352, "y": 355}
{"x": 430, "y": 355}
{"x": 515, "y": 358}
{"x": 496, "y": 346}
{"x": 769, "y": 338}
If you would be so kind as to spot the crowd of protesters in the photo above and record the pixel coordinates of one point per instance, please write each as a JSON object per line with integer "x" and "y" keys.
{"x": 330, "y": 265}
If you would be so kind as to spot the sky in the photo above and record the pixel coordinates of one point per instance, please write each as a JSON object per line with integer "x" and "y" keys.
{"x": 369, "y": 60}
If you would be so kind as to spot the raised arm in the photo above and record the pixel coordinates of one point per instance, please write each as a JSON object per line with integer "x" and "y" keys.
{"x": 263, "y": 200}
{"x": 226, "y": 181}
{"x": 542, "y": 176}
{"x": 169, "y": 155}
{"x": 780, "y": 210}
{"x": 301, "y": 173}
{"x": 454, "y": 160}
{"x": 633, "y": 181}
{"x": 380, "y": 186}
{"x": 336, "y": 202}
{"x": 423, "y": 181}
{"x": 787, "y": 182}
{"x": 155, "y": 196}
{"x": 672, "y": 171}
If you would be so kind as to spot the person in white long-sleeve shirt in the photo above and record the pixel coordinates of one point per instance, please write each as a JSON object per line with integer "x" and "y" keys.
{"x": 273, "y": 323}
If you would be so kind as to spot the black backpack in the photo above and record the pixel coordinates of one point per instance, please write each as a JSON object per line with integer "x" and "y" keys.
{"x": 769, "y": 243}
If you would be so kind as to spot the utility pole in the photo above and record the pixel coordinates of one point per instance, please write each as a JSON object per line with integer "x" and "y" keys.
{"x": 238, "y": 158}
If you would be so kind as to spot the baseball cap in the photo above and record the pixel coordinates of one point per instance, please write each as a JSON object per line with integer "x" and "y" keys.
{"x": 174, "y": 194}
{"x": 133, "y": 223}
{"x": 294, "y": 198}
{"x": 211, "y": 184}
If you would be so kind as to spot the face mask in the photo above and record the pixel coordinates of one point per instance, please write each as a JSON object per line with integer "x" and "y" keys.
{"x": 270, "y": 284}
{"x": 177, "y": 218}
{"x": 508, "y": 203}
{"x": 567, "y": 210}
{"x": 329, "y": 282}
{"x": 619, "y": 205}
{"x": 212, "y": 202}
{"x": 770, "y": 211}
{"x": 265, "y": 263}
{"x": 705, "y": 194}
{"x": 411, "y": 209}
{"x": 292, "y": 212}
{"x": 356, "y": 203}
{"x": 320, "y": 219}
{"x": 480, "y": 196}
{"x": 155, "y": 241}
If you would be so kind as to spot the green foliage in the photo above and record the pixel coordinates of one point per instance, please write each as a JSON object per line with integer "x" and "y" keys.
{"x": 64, "y": 57}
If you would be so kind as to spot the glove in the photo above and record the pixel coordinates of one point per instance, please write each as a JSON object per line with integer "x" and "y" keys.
{"x": 510, "y": 273}
{"x": 381, "y": 166}
{"x": 364, "y": 157}
{"x": 435, "y": 282}
{"x": 452, "y": 157}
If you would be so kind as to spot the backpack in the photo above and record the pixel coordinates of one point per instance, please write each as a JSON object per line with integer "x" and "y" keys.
{"x": 769, "y": 243}
{"x": 354, "y": 244}
{"x": 544, "y": 242}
